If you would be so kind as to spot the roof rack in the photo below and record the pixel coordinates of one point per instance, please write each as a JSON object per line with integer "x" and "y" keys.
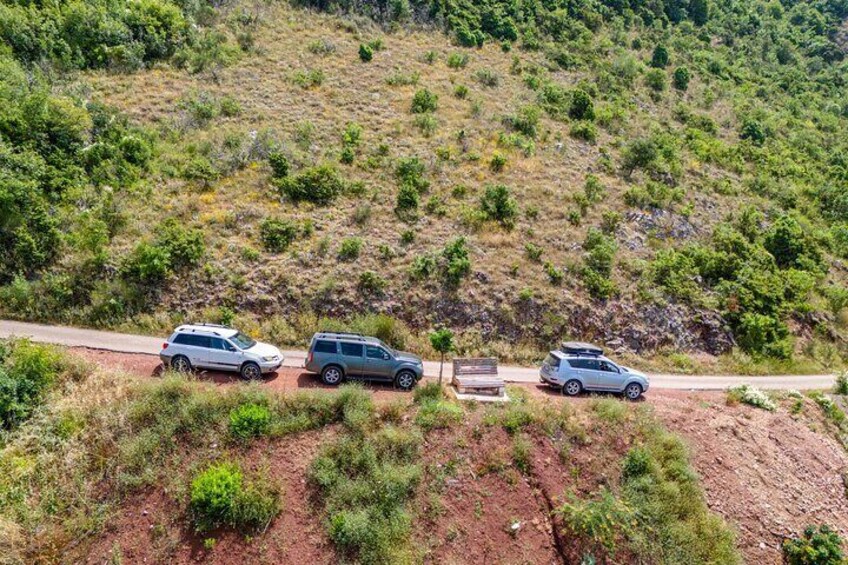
{"x": 208, "y": 325}
{"x": 580, "y": 348}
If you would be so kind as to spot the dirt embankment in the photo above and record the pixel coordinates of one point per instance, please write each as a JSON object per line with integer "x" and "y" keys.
{"x": 768, "y": 474}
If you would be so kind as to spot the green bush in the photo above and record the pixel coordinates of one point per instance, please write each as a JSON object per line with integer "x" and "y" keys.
{"x": 350, "y": 249}
{"x": 371, "y": 283}
{"x": 276, "y": 234}
{"x": 457, "y": 60}
{"x": 681, "y": 78}
{"x": 841, "y": 385}
{"x": 754, "y": 131}
{"x": 660, "y": 58}
{"x": 487, "y": 77}
{"x": 185, "y": 246}
{"x": 279, "y": 165}
{"x": 147, "y": 264}
{"x": 408, "y": 198}
{"x": 498, "y": 163}
{"x": 582, "y": 107}
{"x": 818, "y": 546}
{"x": 27, "y": 373}
{"x": 585, "y": 131}
{"x": 526, "y": 121}
{"x": 366, "y": 53}
{"x": 319, "y": 185}
{"x": 460, "y": 91}
{"x": 597, "y": 263}
{"x": 656, "y": 80}
{"x": 498, "y": 204}
{"x": 436, "y": 414}
{"x": 249, "y": 421}
{"x": 424, "y": 101}
{"x": 220, "y": 496}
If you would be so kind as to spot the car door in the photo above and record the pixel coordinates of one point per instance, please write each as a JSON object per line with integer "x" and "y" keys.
{"x": 197, "y": 350}
{"x": 224, "y": 355}
{"x": 353, "y": 355}
{"x": 381, "y": 364}
{"x": 609, "y": 376}
{"x": 587, "y": 369}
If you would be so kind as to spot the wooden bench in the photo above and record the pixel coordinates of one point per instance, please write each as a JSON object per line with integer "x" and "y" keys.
{"x": 477, "y": 376}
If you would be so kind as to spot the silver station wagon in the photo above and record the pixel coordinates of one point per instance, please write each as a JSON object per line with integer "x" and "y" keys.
{"x": 580, "y": 366}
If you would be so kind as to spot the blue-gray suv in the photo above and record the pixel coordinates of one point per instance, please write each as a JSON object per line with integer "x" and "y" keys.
{"x": 576, "y": 367}
{"x": 338, "y": 356}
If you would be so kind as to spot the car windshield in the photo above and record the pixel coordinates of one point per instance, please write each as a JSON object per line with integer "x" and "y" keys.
{"x": 242, "y": 341}
{"x": 386, "y": 347}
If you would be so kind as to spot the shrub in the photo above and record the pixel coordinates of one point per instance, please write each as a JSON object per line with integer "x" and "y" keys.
{"x": 597, "y": 263}
{"x": 752, "y": 396}
{"x": 460, "y": 91}
{"x": 498, "y": 162}
{"x": 585, "y": 131}
{"x": 27, "y": 372}
{"x": 526, "y": 121}
{"x": 350, "y": 249}
{"x": 308, "y": 79}
{"x": 220, "y": 496}
{"x": 147, "y": 264}
{"x": 656, "y": 80}
{"x": 841, "y": 386}
{"x": 276, "y": 235}
{"x": 487, "y": 77}
{"x": 763, "y": 334}
{"x": 319, "y": 185}
{"x": 424, "y": 101}
{"x": 753, "y": 130}
{"x": 366, "y": 53}
{"x": 639, "y": 154}
{"x": 681, "y": 78}
{"x": 371, "y": 283}
{"x": 534, "y": 252}
{"x": 821, "y": 546}
{"x": 555, "y": 275}
{"x": 660, "y": 58}
{"x": 582, "y": 107}
{"x": 457, "y": 60}
{"x": 279, "y": 165}
{"x": 436, "y": 414}
{"x": 427, "y": 124}
{"x": 185, "y": 246}
{"x": 249, "y": 421}
{"x": 498, "y": 204}
{"x": 455, "y": 262}
{"x": 408, "y": 198}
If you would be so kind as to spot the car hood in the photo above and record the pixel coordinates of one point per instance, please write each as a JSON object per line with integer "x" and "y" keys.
{"x": 635, "y": 373}
{"x": 264, "y": 350}
{"x": 407, "y": 357}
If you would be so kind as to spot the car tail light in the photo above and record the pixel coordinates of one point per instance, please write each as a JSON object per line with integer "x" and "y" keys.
{"x": 309, "y": 359}
{"x": 165, "y": 345}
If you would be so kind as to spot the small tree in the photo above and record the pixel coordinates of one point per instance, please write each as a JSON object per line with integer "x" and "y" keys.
{"x": 366, "y": 53}
{"x": 442, "y": 342}
{"x": 681, "y": 78}
{"x": 659, "y": 60}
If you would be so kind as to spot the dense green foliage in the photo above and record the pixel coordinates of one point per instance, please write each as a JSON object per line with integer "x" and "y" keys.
{"x": 819, "y": 546}
{"x": 222, "y": 496}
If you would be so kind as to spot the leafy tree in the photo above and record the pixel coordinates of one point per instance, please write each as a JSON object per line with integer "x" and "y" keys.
{"x": 681, "y": 78}
{"x": 699, "y": 11}
{"x": 442, "y": 341}
{"x": 639, "y": 154}
{"x": 753, "y": 130}
{"x": 582, "y": 107}
{"x": 660, "y": 58}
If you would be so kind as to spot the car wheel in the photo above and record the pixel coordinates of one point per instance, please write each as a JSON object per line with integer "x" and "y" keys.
{"x": 405, "y": 380}
{"x": 181, "y": 364}
{"x": 332, "y": 375}
{"x": 251, "y": 372}
{"x": 633, "y": 391}
{"x": 572, "y": 387}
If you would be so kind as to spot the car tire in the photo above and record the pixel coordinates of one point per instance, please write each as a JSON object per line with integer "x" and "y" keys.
{"x": 633, "y": 391}
{"x": 405, "y": 380}
{"x": 572, "y": 388}
{"x": 180, "y": 364}
{"x": 250, "y": 372}
{"x": 332, "y": 375}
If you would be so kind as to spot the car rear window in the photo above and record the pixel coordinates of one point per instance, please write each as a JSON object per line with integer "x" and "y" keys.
{"x": 552, "y": 360}
{"x": 583, "y": 363}
{"x": 193, "y": 340}
{"x": 322, "y": 346}
{"x": 352, "y": 349}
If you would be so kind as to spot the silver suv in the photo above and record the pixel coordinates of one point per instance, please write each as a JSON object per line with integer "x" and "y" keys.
{"x": 336, "y": 356}
{"x": 210, "y": 346}
{"x": 579, "y": 366}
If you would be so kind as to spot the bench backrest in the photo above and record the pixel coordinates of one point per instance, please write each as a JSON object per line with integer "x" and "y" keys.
{"x": 482, "y": 366}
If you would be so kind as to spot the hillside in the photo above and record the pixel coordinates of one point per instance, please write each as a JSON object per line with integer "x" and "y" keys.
{"x": 668, "y": 178}
{"x": 105, "y": 466}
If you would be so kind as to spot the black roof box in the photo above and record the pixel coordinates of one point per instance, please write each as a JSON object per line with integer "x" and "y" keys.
{"x": 579, "y": 348}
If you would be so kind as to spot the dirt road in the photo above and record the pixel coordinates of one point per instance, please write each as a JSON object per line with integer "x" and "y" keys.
{"x": 128, "y": 343}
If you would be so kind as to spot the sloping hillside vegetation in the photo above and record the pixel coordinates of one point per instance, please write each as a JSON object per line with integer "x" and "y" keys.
{"x": 661, "y": 176}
